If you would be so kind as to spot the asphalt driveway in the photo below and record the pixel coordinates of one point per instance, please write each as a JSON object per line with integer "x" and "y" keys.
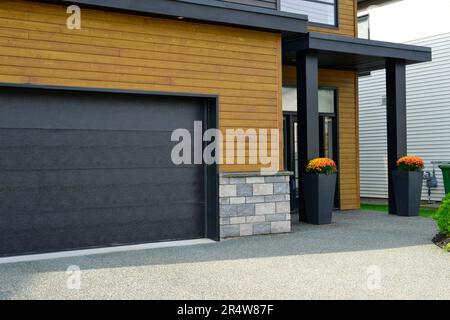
{"x": 362, "y": 255}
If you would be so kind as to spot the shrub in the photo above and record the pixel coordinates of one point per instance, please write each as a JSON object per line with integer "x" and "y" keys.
{"x": 443, "y": 216}
{"x": 410, "y": 163}
{"x": 447, "y": 247}
{"x": 322, "y": 166}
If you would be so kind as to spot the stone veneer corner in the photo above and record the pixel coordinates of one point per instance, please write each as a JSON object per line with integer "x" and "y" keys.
{"x": 254, "y": 203}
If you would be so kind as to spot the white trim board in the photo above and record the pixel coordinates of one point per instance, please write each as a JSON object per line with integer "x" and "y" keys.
{"x": 87, "y": 252}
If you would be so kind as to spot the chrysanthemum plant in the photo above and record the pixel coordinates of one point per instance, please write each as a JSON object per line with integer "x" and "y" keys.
{"x": 410, "y": 163}
{"x": 321, "y": 166}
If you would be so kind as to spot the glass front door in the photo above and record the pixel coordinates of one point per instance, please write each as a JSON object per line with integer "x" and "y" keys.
{"x": 327, "y": 140}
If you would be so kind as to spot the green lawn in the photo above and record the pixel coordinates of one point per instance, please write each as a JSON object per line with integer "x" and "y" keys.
{"x": 424, "y": 212}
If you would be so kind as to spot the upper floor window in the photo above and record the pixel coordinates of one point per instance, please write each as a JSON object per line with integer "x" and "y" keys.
{"x": 364, "y": 27}
{"x": 318, "y": 11}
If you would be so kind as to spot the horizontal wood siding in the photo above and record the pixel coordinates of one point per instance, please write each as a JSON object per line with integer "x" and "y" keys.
{"x": 347, "y": 20}
{"x": 346, "y": 82}
{"x": 120, "y": 51}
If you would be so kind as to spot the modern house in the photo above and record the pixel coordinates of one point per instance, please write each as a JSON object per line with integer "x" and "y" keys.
{"x": 427, "y": 87}
{"x": 88, "y": 112}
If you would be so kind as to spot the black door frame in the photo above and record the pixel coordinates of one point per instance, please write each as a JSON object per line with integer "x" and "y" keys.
{"x": 211, "y": 121}
{"x": 289, "y": 117}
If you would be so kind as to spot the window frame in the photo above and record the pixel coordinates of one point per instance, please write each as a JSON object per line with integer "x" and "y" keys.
{"x": 363, "y": 17}
{"x": 320, "y": 24}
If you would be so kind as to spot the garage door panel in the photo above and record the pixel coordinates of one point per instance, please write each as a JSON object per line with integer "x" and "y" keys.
{"x": 97, "y": 177}
{"x": 51, "y": 222}
{"x": 22, "y": 138}
{"x": 56, "y": 198}
{"x": 91, "y": 237}
{"x": 60, "y": 190}
{"x": 31, "y": 109}
{"x": 93, "y": 169}
{"x": 118, "y": 150}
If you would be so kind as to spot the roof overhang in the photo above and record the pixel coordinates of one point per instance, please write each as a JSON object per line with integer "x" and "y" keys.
{"x": 346, "y": 53}
{"x": 211, "y": 11}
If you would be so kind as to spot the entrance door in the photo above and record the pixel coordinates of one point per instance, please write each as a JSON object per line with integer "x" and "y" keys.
{"x": 327, "y": 139}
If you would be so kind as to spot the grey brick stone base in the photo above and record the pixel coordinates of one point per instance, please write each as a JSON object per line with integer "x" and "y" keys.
{"x": 252, "y": 203}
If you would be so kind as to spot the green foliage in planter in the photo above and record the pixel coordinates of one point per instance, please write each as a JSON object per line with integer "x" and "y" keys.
{"x": 443, "y": 216}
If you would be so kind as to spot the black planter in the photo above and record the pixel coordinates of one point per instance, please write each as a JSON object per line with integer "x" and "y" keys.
{"x": 408, "y": 191}
{"x": 318, "y": 193}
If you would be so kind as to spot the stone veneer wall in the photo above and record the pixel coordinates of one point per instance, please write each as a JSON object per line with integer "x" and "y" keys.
{"x": 252, "y": 203}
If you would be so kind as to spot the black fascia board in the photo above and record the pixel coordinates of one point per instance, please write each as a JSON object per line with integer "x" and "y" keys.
{"x": 211, "y": 11}
{"x": 362, "y": 47}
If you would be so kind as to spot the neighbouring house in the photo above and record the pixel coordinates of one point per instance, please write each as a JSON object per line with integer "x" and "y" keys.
{"x": 427, "y": 86}
{"x": 87, "y": 115}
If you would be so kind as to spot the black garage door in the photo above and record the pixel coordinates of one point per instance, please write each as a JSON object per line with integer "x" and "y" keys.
{"x": 83, "y": 169}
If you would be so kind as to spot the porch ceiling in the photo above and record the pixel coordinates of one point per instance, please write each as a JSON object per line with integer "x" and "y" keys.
{"x": 346, "y": 53}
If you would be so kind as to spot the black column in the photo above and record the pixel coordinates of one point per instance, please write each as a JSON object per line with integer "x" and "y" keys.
{"x": 307, "y": 112}
{"x": 396, "y": 120}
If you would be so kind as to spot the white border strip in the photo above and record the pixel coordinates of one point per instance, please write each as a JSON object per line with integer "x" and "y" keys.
{"x": 87, "y": 252}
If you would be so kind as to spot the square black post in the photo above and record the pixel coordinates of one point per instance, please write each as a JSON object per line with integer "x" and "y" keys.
{"x": 396, "y": 120}
{"x": 307, "y": 113}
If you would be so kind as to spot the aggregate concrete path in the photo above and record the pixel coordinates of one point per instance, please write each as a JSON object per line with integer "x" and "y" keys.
{"x": 362, "y": 255}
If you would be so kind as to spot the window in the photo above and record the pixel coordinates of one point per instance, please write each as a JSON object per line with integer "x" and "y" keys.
{"x": 326, "y": 100}
{"x": 289, "y": 99}
{"x": 318, "y": 11}
{"x": 363, "y": 27}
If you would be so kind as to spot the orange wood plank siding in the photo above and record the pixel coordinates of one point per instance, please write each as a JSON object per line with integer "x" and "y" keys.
{"x": 347, "y": 20}
{"x": 121, "y": 51}
{"x": 346, "y": 82}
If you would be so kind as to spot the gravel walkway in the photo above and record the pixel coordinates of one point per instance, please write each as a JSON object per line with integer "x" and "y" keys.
{"x": 362, "y": 255}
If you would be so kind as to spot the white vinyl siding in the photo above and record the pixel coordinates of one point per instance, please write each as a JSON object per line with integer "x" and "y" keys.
{"x": 428, "y": 115}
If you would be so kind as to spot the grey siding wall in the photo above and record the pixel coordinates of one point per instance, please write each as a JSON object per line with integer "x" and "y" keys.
{"x": 270, "y": 4}
{"x": 428, "y": 106}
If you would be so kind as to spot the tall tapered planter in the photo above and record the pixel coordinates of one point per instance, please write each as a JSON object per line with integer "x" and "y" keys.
{"x": 408, "y": 191}
{"x": 318, "y": 193}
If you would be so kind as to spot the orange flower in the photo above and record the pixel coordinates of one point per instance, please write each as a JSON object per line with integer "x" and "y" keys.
{"x": 321, "y": 165}
{"x": 410, "y": 163}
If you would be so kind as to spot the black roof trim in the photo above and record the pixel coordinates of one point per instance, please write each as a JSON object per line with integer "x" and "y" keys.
{"x": 343, "y": 44}
{"x": 352, "y": 53}
{"x": 209, "y": 11}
